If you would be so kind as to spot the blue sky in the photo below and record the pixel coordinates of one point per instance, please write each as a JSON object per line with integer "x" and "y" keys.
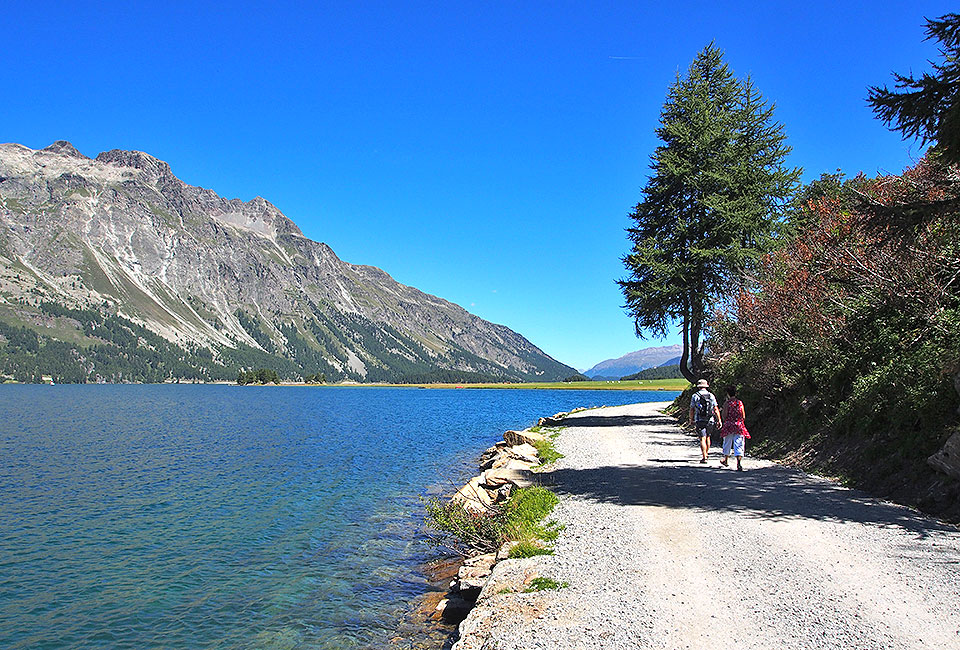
{"x": 484, "y": 152}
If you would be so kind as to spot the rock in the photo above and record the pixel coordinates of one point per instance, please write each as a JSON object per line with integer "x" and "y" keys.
{"x": 524, "y": 452}
{"x": 515, "y": 473}
{"x": 947, "y": 460}
{"x": 509, "y": 576}
{"x": 454, "y": 608}
{"x": 473, "y": 578}
{"x": 474, "y": 496}
{"x": 493, "y": 454}
{"x": 514, "y": 438}
{"x": 555, "y": 420}
{"x": 486, "y": 560}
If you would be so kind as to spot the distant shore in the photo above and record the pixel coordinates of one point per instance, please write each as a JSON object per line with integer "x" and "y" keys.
{"x": 649, "y": 384}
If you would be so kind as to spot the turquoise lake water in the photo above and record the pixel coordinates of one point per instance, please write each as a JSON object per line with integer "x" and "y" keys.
{"x": 224, "y": 517}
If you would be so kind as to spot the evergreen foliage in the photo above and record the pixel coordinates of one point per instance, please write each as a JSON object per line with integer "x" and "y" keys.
{"x": 661, "y": 372}
{"x": 928, "y": 107}
{"x": 259, "y": 376}
{"x": 712, "y": 206}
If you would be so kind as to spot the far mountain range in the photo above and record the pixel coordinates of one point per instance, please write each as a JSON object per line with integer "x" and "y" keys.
{"x": 113, "y": 269}
{"x": 634, "y": 362}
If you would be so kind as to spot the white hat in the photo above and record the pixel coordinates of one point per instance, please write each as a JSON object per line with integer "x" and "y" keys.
{"x": 703, "y": 384}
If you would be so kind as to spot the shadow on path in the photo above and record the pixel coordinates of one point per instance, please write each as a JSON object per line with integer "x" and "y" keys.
{"x": 615, "y": 420}
{"x": 765, "y": 493}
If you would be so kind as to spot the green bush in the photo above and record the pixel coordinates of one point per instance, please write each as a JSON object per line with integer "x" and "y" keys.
{"x": 520, "y": 518}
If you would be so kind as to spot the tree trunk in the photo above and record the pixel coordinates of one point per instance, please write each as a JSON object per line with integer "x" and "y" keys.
{"x": 685, "y": 369}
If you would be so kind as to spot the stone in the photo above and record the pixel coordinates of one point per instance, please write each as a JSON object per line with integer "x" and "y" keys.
{"x": 454, "y": 608}
{"x": 947, "y": 460}
{"x": 473, "y": 496}
{"x": 485, "y": 560}
{"x": 473, "y": 578}
{"x": 515, "y": 473}
{"x": 487, "y": 457}
{"x": 524, "y": 452}
{"x": 555, "y": 420}
{"x": 514, "y": 438}
{"x": 492, "y": 456}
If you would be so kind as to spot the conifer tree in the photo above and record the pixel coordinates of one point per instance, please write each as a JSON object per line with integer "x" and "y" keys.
{"x": 928, "y": 107}
{"x": 712, "y": 204}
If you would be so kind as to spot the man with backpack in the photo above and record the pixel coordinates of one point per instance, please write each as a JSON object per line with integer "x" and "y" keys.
{"x": 704, "y": 414}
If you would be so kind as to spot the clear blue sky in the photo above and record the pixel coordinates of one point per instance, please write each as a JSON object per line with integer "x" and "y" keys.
{"x": 486, "y": 152}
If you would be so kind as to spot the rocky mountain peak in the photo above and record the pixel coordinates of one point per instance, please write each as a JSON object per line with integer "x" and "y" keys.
{"x": 215, "y": 284}
{"x": 65, "y": 148}
{"x": 153, "y": 167}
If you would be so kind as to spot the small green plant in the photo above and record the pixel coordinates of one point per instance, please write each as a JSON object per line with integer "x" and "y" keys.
{"x": 546, "y": 451}
{"x": 526, "y": 509}
{"x": 542, "y": 584}
{"x": 527, "y": 548}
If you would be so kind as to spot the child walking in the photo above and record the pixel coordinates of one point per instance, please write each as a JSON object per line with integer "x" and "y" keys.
{"x": 734, "y": 431}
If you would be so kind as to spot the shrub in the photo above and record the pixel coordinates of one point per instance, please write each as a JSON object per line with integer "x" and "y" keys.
{"x": 520, "y": 518}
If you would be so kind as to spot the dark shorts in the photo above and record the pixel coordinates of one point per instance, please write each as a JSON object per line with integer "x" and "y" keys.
{"x": 704, "y": 429}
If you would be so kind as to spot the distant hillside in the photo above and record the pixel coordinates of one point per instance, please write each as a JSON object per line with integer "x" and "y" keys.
{"x": 634, "y": 362}
{"x": 666, "y": 371}
{"x": 113, "y": 269}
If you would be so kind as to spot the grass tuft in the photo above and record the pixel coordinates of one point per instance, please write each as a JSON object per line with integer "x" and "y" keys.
{"x": 543, "y": 584}
{"x": 527, "y": 548}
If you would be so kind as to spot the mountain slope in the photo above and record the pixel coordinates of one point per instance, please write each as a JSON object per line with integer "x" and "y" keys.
{"x": 120, "y": 237}
{"x": 634, "y": 362}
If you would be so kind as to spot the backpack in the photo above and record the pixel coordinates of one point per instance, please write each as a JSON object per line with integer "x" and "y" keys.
{"x": 704, "y": 407}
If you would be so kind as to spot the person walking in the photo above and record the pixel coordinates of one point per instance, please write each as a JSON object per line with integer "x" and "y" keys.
{"x": 705, "y": 414}
{"x": 734, "y": 430}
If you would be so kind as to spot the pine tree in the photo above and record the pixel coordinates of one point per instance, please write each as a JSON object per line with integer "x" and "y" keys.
{"x": 929, "y": 107}
{"x": 712, "y": 204}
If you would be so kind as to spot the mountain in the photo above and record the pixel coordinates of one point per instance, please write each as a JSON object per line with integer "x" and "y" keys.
{"x": 113, "y": 269}
{"x": 634, "y": 362}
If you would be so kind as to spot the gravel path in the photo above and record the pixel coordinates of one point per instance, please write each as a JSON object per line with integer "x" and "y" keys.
{"x": 662, "y": 552}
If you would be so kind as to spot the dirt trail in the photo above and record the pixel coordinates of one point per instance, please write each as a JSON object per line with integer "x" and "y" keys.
{"x": 662, "y": 552}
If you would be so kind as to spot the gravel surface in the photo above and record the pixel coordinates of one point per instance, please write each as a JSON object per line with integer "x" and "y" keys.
{"x": 662, "y": 552}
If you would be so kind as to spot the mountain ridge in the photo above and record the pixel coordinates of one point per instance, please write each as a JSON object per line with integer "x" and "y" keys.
{"x": 633, "y": 362}
{"x": 122, "y": 235}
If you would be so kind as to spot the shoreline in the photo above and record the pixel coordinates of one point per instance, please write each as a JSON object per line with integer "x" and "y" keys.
{"x": 508, "y": 465}
{"x": 633, "y": 385}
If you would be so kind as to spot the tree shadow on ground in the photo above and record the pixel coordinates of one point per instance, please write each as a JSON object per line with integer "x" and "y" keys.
{"x": 770, "y": 492}
{"x": 615, "y": 420}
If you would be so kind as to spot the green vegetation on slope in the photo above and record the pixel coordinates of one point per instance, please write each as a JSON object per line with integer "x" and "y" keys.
{"x": 845, "y": 336}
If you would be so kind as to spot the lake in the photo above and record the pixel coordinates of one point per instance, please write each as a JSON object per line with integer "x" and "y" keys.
{"x": 191, "y": 516}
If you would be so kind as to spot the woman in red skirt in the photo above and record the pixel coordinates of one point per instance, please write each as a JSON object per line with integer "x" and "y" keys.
{"x": 734, "y": 431}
